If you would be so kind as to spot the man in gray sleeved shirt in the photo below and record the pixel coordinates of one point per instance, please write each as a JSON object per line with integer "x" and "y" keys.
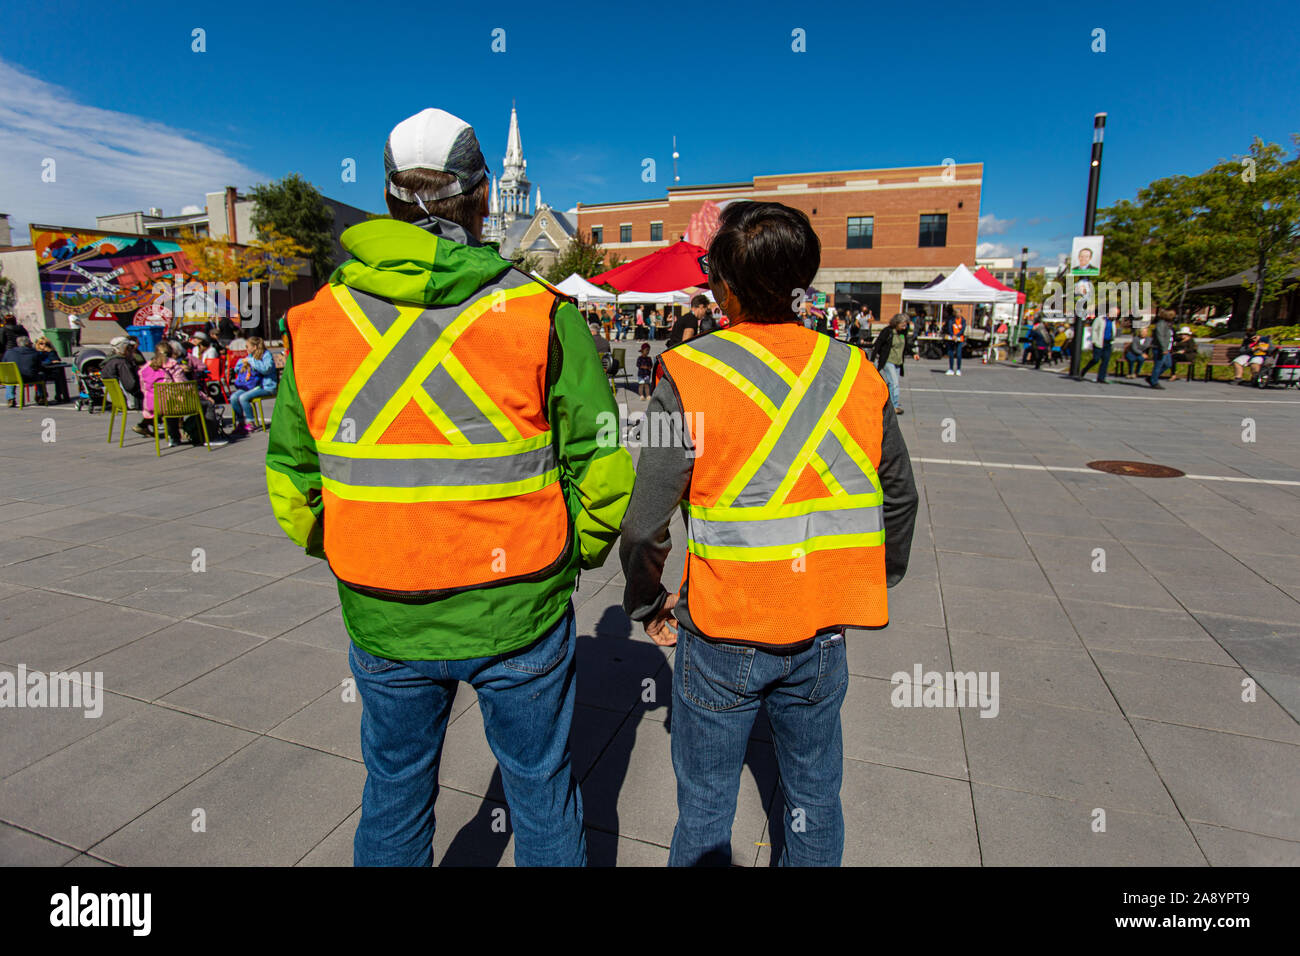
{"x": 793, "y": 483}
{"x": 663, "y": 478}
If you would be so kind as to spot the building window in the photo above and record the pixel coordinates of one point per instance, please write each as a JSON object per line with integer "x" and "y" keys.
{"x": 597, "y": 233}
{"x": 858, "y": 295}
{"x": 860, "y": 231}
{"x": 934, "y": 230}
{"x": 625, "y": 233}
{"x": 656, "y": 231}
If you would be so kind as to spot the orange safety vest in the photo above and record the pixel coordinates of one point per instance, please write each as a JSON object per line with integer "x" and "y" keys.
{"x": 437, "y": 464}
{"x": 785, "y": 504}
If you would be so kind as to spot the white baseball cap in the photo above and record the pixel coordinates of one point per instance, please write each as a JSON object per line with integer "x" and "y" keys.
{"x": 434, "y": 139}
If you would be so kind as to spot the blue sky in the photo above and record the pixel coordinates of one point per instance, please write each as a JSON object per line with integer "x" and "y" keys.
{"x": 135, "y": 118}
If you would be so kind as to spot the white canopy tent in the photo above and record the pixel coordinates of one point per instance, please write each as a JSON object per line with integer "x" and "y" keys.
{"x": 961, "y": 286}
{"x": 655, "y": 298}
{"x": 584, "y": 291}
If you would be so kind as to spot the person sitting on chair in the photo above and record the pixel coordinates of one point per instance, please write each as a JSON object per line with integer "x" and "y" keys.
{"x": 30, "y": 367}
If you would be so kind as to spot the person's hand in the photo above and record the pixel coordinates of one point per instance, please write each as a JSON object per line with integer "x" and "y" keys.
{"x": 662, "y": 628}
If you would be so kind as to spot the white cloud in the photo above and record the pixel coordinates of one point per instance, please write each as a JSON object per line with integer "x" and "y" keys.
{"x": 991, "y": 225}
{"x": 992, "y": 250}
{"x": 106, "y": 161}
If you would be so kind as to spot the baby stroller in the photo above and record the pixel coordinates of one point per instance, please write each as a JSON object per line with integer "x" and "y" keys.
{"x": 1281, "y": 367}
{"x": 90, "y": 386}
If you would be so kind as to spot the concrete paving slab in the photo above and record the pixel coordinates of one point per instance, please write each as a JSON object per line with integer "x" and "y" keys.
{"x": 1229, "y": 780}
{"x": 1083, "y": 755}
{"x": 94, "y": 786}
{"x": 267, "y": 805}
{"x": 263, "y": 687}
{"x": 1029, "y": 829}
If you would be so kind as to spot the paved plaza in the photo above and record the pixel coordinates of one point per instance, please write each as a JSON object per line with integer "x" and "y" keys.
{"x": 1158, "y": 697}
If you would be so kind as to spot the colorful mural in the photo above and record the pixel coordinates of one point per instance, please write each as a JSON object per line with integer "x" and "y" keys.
{"x": 104, "y": 275}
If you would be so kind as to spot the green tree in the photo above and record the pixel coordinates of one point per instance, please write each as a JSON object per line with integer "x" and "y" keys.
{"x": 582, "y": 255}
{"x": 295, "y": 208}
{"x": 8, "y": 294}
{"x": 1183, "y": 231}
{"x": 1255, "y": 200}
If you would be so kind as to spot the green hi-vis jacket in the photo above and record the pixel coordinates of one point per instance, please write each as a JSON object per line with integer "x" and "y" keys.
{"x": 405, "y": 263}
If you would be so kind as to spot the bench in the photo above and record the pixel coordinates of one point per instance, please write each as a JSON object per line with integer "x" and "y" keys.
{"x": 1222, "y": 354}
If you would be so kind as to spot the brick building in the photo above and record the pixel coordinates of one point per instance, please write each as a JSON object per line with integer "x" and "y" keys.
{"x": 882, "y": 230}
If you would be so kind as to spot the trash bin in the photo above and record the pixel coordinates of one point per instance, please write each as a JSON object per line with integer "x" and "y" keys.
{"x": 149, "y": 335}
{"x": 62, "y": 340}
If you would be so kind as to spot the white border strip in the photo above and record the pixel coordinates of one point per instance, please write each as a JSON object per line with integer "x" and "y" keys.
{"x": 1092, "y": 471}
{"x": 1122, "y": 398}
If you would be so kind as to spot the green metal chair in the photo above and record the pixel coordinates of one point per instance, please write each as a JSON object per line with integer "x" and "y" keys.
{"x": 114, "y": 396}
{"x": 9, "y": 375}
{"x": 620, "y": 356}
{"x": 259, "y": 414}
{"x": 176, "y": 400}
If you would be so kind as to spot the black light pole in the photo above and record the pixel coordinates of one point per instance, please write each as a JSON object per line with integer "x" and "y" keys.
{"x": 1089, "y": 223}
{"x": 1024, "y": 264}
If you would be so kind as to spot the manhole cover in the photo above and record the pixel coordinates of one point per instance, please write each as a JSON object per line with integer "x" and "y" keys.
{"x": 1136, "y": 469}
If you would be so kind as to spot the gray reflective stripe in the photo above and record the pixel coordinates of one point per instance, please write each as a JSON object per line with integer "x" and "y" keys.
{"x": 434, "y": 472}
{"x": 379, "y": 311}
{"x": 746, "y": 363}
{"x": 456, "y": 405}
{"x": 812, "y": 405}
{"x": 844, "y": 469}
{"x": 401, "y": 361}
{"x": 783, "y": 532}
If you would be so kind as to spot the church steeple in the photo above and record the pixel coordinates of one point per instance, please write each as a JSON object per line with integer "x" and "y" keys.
{"x": 514, "y": 174}
{"x": 509, "y": 197}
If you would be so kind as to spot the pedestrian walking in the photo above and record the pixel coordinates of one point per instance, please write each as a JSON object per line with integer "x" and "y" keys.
{"x": 794, "y": 473}
{"x": 889, "y": 352}
{"x": 954, "y": 334}
{"x": 1103, "y": 334}
{"x": 1162, "y": 341}
{"x": 412, "y": 447}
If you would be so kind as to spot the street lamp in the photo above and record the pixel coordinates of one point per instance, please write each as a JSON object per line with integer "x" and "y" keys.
{"x": 1024, "y": 264}
{"x": 1089, "y": 223}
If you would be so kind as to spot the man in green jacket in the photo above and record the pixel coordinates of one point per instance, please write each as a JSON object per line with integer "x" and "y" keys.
{"x": 437, "y": 439}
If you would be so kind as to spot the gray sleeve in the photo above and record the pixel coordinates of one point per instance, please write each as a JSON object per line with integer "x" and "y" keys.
{"x": 663, "y": 478}
{"x": 901, "y": 498}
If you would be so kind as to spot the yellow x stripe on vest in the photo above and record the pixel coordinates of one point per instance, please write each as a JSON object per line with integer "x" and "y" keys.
{"x": 753, "y": 519}
{"x": 411, "y": 359}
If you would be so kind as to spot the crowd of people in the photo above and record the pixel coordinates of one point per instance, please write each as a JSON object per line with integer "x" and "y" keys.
{"x": 200, "y": 357}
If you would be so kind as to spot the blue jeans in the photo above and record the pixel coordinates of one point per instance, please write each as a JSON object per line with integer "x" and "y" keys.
{"x": 954, "y": 349}
{"x": 890, "y": 374}
{"x": 1102, "y": 355}
{"x": 1158, "y": 366}
{"x": 717, "y": 690}
{"x": 526, "y": 699}
{"x": 241, "y": 403}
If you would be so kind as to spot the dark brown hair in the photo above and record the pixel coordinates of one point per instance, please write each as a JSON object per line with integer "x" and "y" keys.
{"x": 765, "y": 252}
{"x": 464, "y": 210}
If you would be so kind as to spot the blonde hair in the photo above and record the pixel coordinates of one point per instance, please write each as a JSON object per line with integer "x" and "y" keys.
{"x": 256, "y": 347}
{"x": 161, "y": 353}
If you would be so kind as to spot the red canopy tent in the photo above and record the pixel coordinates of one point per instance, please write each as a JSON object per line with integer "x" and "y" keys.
{"x": 986, "y": 277}
{"x": 665, "y": 270}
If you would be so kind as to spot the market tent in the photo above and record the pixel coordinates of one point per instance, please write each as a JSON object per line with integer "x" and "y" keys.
{"x": 987, "y": 278}
{"x": 960, "y": 286}
{"x": 584, "y": 291}
{"x": 665, "y": 270}
{"x": 656, "y": 298}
